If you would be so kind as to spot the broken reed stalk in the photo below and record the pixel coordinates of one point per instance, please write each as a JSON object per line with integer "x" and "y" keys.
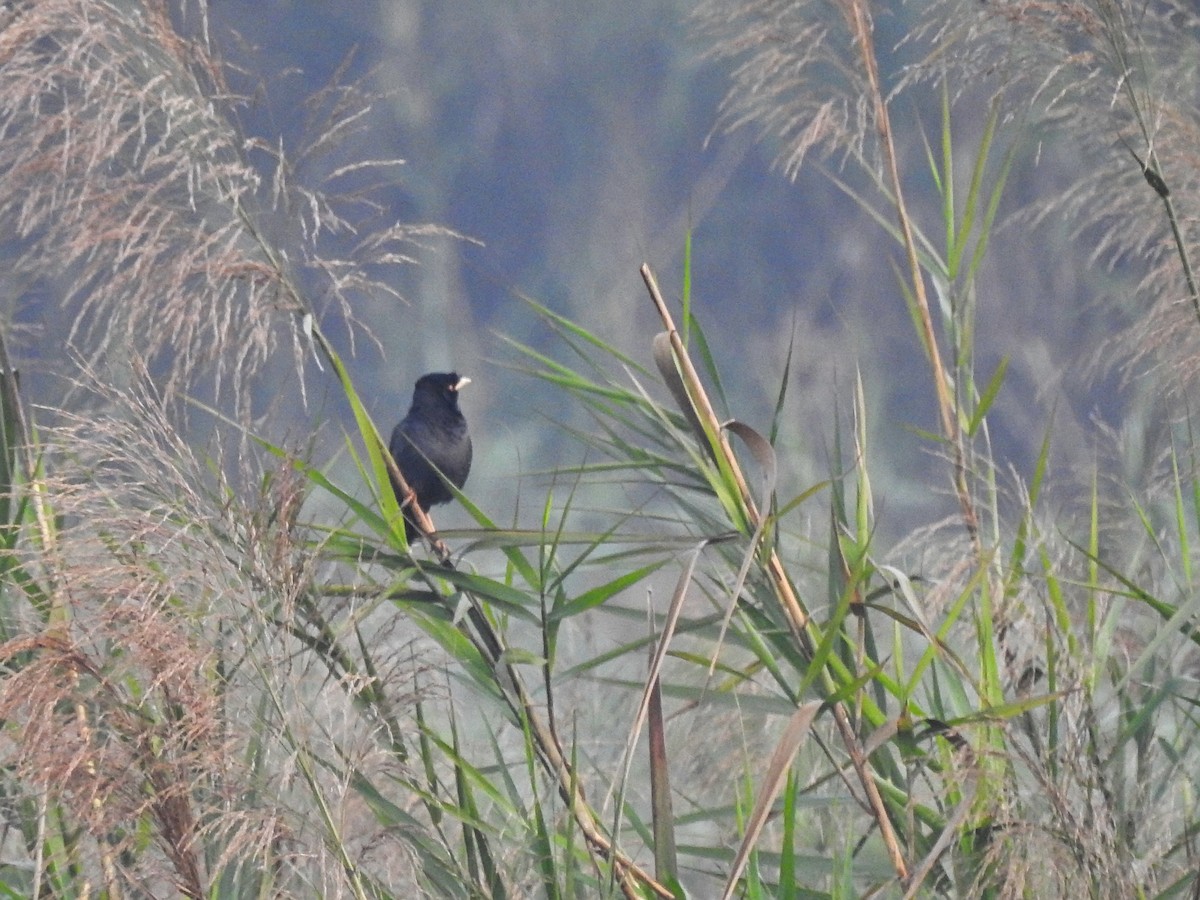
{"x": 797, "y": 616}
{"x": 861, "y": 26}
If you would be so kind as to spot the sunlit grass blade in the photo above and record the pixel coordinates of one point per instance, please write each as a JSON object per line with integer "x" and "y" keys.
{"x": 373, "y": 442}
{"x": 987, "y": 398}
{"x": 602, "y": 592}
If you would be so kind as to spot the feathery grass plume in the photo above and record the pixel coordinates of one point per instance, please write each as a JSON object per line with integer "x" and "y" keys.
{"x": 119, "y": 712}
{"x": 124, "y": 183}
{"x": 128, "y": 185}
{"x": 196, "y": 675}
{"x": 156, "y": 604}
{"x": 178, "y": 264}
{"x": 1112, "y": 82}
{"x": 795, "y": 78}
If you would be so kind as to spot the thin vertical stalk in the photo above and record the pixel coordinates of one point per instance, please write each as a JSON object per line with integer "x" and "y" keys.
{"x": 861, "y": 26}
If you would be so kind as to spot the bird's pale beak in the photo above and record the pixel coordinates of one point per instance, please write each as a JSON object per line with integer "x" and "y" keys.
{"x": 460, "y": 384}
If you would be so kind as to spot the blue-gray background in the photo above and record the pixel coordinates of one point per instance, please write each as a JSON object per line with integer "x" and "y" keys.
{"x": 576, "y": 140}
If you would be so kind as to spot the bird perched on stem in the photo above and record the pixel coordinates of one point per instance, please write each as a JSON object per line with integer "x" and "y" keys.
{"x": 431, "y": 445}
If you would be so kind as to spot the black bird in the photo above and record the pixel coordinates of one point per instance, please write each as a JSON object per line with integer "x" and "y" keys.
{"x": 431, "y": 445}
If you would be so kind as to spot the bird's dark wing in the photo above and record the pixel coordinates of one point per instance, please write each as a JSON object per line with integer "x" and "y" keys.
{"x": 412, "y": 444}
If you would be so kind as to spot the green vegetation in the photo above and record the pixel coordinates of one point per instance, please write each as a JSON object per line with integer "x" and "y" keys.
{"x": 225, "y": 673}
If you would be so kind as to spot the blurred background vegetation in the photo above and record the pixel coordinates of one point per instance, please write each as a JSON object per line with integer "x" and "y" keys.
{"x": 576, "y": 143}
{"x": 938, "y": 638}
